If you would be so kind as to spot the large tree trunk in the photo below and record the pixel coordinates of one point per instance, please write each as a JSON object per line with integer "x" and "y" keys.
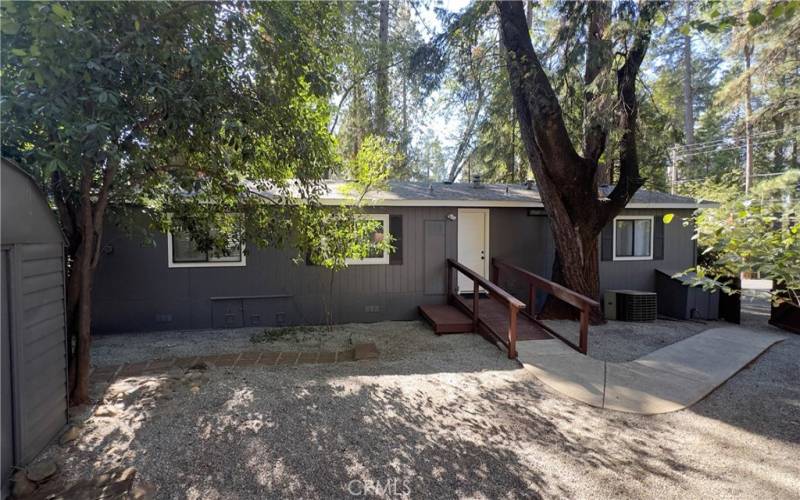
{"x": 382, "y": 74}
{"x": 81, "y": 280}
{"x": 79, "y": 287}
{"x": 567, "y": 182}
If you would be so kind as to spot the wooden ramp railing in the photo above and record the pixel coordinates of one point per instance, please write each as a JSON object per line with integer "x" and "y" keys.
{"x": 535, "y": 282}
{"x": 495, "y": 292}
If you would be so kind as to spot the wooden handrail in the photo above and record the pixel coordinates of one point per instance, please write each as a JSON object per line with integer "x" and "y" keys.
{"x": 535, "y": 282}
{"x": 514, "y": 304}
{"x": 561, "y": 292}
{"x": 487, "y": 285}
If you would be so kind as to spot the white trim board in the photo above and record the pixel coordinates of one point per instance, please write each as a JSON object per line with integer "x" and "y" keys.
{"x": 384, "y": 218}
{"x": 614, "y": 239}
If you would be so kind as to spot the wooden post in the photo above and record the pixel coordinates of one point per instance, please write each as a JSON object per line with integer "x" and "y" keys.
{"x": 531, "y": 300}
{"x": 512, "y": 332}
{"x": 584, "y": 338}
{"x": 475, "y": 297}
{"x": 449, "y": 291}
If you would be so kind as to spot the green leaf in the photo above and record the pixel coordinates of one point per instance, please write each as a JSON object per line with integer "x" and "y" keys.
{"x": 137, "y": 25}
{"x": 685, "y": 29}
{"x": 37, "y": 75}
{"x": 60, "y": 11}
{"x": 19, "y": 52}
{"x": 9, "y": 26}
{"x": 668, "y": 218}
{"x": 755, "y": 18}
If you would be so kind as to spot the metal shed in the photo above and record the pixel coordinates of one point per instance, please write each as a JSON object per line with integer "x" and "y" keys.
{"x": 677, "y": 299}
{"x": 34, "y": 363}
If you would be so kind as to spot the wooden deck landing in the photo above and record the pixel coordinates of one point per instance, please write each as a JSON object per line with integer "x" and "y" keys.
{"x": 495, "y": 315}
{"x": 446, "y": 318}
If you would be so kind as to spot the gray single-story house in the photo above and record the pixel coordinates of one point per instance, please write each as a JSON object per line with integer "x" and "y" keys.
{"x": 169, "y": 285}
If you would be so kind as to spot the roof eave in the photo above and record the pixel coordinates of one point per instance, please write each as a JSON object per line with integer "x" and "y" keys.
{"x": 492, "y": 203}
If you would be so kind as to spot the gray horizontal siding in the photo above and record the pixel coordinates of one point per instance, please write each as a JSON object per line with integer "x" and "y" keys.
{"x": 36, "y": 267}
{"x": 42, "y": 282}
{"x": 43, "y": 297}
{"x": 45, "y": 312}
{"x": 135, "y": 290}
{"x": 50, "y": 421}
{"x": 41, "y": 251}
{"x": 43, "y": 371}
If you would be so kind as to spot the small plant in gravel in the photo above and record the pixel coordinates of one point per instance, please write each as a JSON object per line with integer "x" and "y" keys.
{"x": 296, "y": 333}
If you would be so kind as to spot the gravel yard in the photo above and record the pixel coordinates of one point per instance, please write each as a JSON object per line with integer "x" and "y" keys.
{"x": 434, "y": 417}
{"x": 391, "y": 338}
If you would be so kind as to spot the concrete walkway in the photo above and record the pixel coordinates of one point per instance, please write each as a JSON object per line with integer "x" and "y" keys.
{"x": 669, "y": 379}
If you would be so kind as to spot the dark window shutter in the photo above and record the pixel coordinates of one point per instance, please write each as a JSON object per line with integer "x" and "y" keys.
{"x": 396, "y": 230}
{"x": 607, "y": 242}
{"x": 658, "y": 238}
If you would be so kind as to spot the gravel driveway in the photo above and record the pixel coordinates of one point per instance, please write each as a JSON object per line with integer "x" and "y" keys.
{"x": 441, "y": 417}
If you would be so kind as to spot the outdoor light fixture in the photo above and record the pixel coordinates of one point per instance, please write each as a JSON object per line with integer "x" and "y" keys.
{"x": 451, "y": 217}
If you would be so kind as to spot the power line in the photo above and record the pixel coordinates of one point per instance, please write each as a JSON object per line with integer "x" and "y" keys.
{"x": 681, "y": 156}
{"x": 733, "y": 142}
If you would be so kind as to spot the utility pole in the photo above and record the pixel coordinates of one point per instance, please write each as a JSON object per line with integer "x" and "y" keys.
{"x": 748, "y": 113}
{"x": 688, "y": 92}
{"x": 673, "y": 169}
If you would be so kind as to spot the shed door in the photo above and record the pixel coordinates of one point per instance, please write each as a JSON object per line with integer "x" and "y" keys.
{"x": 473, "y": 244}
{"x": 7, "y": 437}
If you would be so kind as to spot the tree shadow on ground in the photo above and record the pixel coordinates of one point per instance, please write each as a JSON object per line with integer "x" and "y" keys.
{"x": 442, "y": 439}
{"x": 447, "y": 424}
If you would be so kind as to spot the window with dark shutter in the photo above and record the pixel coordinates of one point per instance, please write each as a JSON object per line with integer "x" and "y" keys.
{"x": 396, "y": 230}
{"x": 658, "y": 239}
{"x": 607, "y": 243}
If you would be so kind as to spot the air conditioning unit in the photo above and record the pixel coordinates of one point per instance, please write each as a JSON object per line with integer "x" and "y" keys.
{"x": 630, "y": 305}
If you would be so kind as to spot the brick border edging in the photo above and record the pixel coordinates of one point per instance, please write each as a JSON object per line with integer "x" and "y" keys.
{"x": 240, "y": 359}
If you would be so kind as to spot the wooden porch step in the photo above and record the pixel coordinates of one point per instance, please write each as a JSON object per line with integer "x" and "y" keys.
{"x": 445, "y": 318}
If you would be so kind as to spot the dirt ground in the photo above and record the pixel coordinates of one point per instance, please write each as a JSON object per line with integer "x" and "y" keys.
{"x": 434, "y": 417}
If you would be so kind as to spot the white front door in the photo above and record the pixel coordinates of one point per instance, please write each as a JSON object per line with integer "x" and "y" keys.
{"x": 473, "y": 244}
